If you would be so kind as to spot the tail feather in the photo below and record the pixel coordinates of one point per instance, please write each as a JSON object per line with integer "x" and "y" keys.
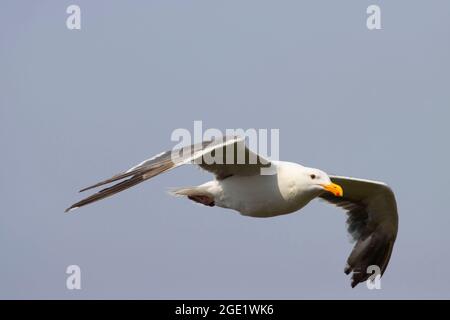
{"x": 187, "y": 191}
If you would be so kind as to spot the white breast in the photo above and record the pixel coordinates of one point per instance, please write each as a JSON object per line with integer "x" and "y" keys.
{"x": 263, "y": 195}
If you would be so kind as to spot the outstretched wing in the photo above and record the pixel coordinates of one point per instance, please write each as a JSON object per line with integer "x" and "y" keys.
{"x": 223, "y": 157}
{"x": 372, "y": 221}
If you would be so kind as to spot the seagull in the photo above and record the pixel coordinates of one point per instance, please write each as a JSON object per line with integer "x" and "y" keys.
{"x": 257, "y": 187}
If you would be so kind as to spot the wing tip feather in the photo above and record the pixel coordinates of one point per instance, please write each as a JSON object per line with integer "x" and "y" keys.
{"x": 70, "y": 209}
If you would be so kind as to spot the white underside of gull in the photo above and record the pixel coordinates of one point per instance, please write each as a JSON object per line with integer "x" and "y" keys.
{"x": 263, "y": 195}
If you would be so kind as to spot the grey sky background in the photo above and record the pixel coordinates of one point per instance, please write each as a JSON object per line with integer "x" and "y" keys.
{"x": 80, "y": 106}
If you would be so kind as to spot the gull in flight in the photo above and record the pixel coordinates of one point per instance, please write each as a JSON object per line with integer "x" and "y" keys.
{"x": 257, "y": 187}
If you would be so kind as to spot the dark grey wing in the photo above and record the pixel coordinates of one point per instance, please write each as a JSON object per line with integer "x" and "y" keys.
{"x": 141, "y": 173}
{"x": 212, "y": 155}
{"x": 372, "y": 221}
{"x": 233, "y": 158}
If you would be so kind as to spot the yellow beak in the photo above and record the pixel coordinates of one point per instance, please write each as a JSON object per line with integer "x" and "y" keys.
{"x": 334, "y": 189}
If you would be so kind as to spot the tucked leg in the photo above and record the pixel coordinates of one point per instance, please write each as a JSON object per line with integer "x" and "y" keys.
{"x": 207, "y": 201}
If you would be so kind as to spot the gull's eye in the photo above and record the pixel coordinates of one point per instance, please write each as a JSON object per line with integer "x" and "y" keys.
{"x": 313, "y": 176}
